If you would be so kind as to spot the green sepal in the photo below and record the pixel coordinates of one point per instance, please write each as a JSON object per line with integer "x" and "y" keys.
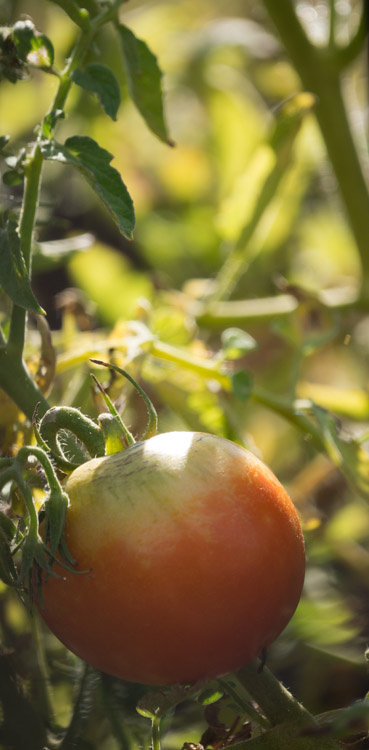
{"x": 7, "y": 526}
{"x": 55, "y": 512}
{"x": 8, "y": 571}
{"x": 115, "y": 438}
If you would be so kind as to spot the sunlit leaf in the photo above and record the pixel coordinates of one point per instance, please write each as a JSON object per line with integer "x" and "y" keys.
{"x": 144, "y": 82}
{"x": 93, "y": 162}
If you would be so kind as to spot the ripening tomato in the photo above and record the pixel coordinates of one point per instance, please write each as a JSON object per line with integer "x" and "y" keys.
{"x": 196, "y": 556}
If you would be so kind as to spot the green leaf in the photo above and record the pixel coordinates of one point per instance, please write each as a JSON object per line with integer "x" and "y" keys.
{"x": 12, "y": 177}
{"x": 14, "y": 277}
{"x": 242, "y": 383}
{"x": 32, "y": 47}
{"x": 93, "y": 162}
{"x": 8, "y": 571}
{"x": 144, "y": 82}
{"x": 100, "y": 80}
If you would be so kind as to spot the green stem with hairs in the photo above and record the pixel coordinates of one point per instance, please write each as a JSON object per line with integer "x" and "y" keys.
{"x": 155, "y": 733}
{"x": 271, "y": 696}
{"x": 292, "y": 727}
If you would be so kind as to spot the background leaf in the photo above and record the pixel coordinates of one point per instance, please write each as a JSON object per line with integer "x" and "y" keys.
{"x": 144, "y": 82}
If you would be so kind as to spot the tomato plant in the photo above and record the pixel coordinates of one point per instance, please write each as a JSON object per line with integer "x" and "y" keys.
{"x": 243, "y": 290}
{"x": 196, "y": 556}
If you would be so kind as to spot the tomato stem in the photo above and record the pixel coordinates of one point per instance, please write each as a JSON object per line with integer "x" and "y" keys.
{"x": 272, "y": 697}
{"x": 155, "y": 733}
{"x": 234, "y": 688}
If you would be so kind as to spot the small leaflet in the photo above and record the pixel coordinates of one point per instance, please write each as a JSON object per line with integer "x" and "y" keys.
{"x": 100, "y": 80}
{"x": 93, "y": 162}
{"x": 144, "y": 82}
{"x": 14, "y": 277}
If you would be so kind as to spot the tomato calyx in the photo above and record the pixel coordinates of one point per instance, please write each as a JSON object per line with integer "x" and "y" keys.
{"x": 70, "y": 438}
{"x": 66, "y": 439}
{"x": 39, "y": 554}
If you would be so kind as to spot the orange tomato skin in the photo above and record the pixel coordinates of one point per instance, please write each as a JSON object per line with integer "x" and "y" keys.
{"x": 196, "y": 555}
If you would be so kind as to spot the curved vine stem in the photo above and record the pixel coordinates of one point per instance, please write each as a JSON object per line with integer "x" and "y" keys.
{"x": 152, "y": 424}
